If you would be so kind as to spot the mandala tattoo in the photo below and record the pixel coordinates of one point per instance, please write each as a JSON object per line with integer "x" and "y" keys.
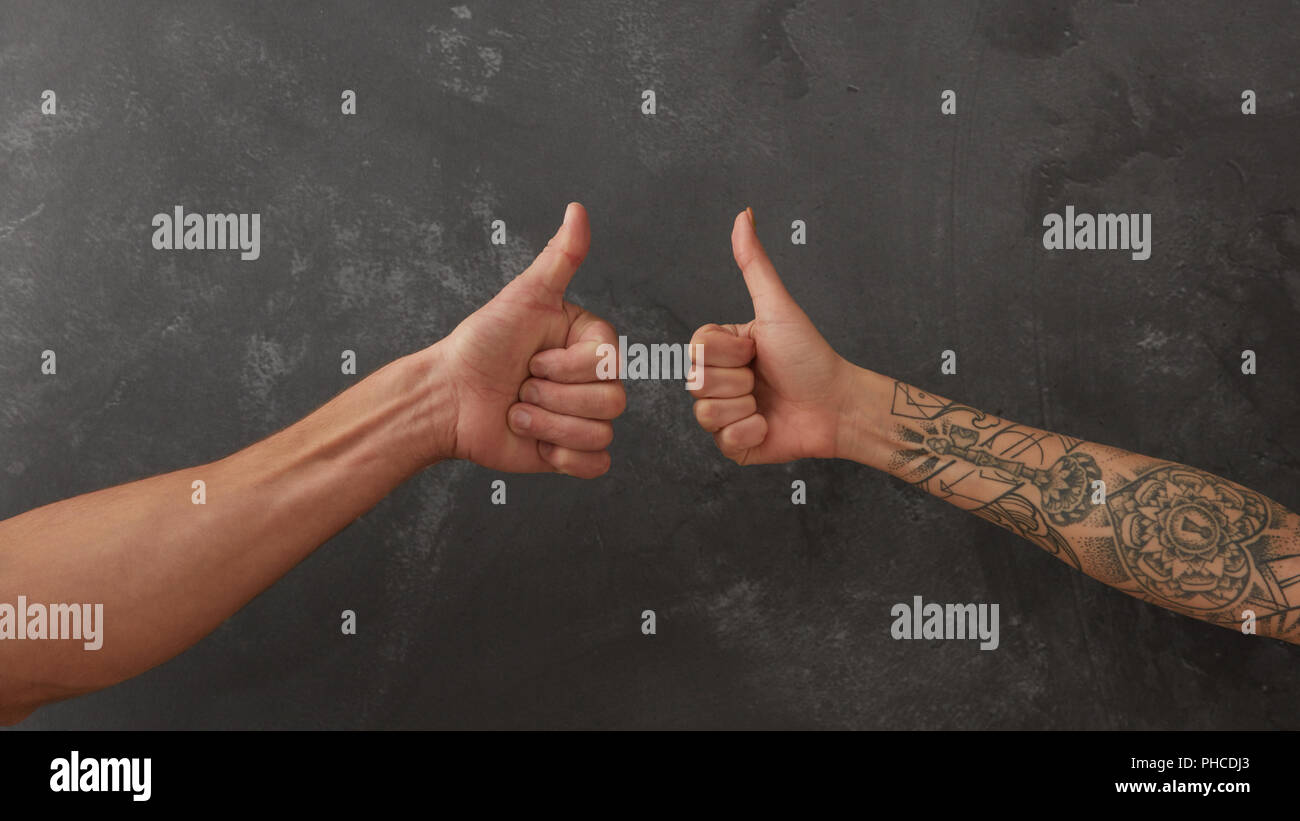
{"x": 1172, "y": 535}
{"x": 1182, "y": 534}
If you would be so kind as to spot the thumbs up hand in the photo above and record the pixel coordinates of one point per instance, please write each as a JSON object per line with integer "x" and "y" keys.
{"x": 772, "y": 390}
{"x": 513, "y": 409}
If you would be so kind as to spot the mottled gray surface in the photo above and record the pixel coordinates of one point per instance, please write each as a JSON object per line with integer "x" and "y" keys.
{"x": 923, "y": 235}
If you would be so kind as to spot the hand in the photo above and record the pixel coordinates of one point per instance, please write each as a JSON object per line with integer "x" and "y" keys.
{"x": 557, "y": 419}
{"x": 773, "y": 389}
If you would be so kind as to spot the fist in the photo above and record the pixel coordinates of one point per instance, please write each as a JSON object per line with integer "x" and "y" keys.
{"x": 772, "y": 389}
{"x": 522, "y": 371}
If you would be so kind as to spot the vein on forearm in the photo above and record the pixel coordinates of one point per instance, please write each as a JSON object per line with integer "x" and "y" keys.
{"x": 168, "y": 571}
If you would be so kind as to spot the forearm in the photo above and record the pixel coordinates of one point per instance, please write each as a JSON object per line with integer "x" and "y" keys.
{"x": 168, "y": 571}
{"x": 1166, "y": 533}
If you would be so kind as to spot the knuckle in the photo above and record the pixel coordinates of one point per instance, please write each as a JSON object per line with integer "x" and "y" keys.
{"x": 746, "y": 377}
{"x": 584, "y": 465}
{"x": 703, "y": 331}
{"x": 616, "y": 403}
{"x": 705, "y": 414}
{"x": 727, "y": 437}
{"x": 561, "y": 459}
{"x": 603, "y": 436}
{"x": 542, "y": 426}
{"x": 726, "y": 449}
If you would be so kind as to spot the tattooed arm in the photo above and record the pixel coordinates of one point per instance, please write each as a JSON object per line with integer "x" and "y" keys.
{"x": 773, "y": 390}
{"x": 1166, "y": 533}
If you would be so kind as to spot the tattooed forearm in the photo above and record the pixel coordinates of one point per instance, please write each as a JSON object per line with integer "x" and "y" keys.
{"x": 1166, "y": 533}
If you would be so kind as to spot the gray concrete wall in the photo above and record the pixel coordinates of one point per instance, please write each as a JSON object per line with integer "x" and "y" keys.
{"x": 924, "y": 234}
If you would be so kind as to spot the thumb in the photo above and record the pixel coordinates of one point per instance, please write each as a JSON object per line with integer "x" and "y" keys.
{"x": 559, "y": 260}
{"x": 764, "y": 284}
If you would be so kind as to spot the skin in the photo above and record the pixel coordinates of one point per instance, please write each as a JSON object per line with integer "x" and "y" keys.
{"x": 773, "y": 390}
{"x": 514, "y": 388}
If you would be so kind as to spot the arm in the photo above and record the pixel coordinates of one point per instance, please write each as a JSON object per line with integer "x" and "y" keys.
{"x": 168, "y": 571}
{"x": 1182, "y": 538}
{"x": 1163, "y": 532}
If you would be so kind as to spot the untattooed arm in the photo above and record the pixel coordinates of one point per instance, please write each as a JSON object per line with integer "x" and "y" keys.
{"x": 513, "y": 387}
{"x": 773, "y": 390}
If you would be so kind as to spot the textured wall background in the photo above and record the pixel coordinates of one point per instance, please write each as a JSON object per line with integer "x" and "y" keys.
{"x": 924, "y": 234}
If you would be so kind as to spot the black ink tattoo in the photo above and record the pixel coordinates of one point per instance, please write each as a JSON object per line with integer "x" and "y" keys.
{"x": 1182, "y": 533}
{"x": 1019, "y": 515}
{"x": 1064, "y": 486}
{"x": 1172, "y": 535}
{"x": 1196, "y": 543}
{"x": 989, "y": 477}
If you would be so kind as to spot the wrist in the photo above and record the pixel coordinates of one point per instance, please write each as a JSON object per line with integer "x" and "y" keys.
{"x": 862, "y": 433}
{"x": 426, "y": 373}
